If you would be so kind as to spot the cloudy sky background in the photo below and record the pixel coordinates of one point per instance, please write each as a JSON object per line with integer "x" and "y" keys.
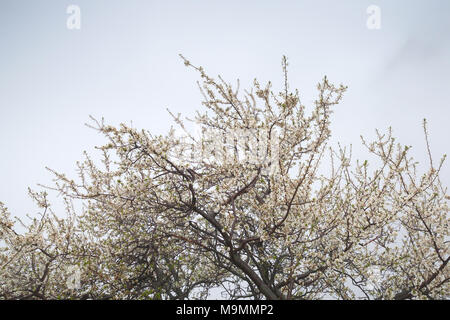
{"x": 123, "y": 65}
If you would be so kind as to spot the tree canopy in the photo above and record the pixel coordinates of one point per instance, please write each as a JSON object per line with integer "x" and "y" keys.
{"x": 256, "y": 204}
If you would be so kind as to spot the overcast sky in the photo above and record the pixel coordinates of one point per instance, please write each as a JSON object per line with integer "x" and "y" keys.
{"x": 123, "y": 65}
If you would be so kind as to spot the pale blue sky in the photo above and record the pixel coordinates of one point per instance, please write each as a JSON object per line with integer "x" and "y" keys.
{"x": 123, "y": 65}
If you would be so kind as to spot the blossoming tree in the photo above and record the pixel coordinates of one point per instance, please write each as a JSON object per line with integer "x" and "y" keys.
{"x": 244, "y": 210}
